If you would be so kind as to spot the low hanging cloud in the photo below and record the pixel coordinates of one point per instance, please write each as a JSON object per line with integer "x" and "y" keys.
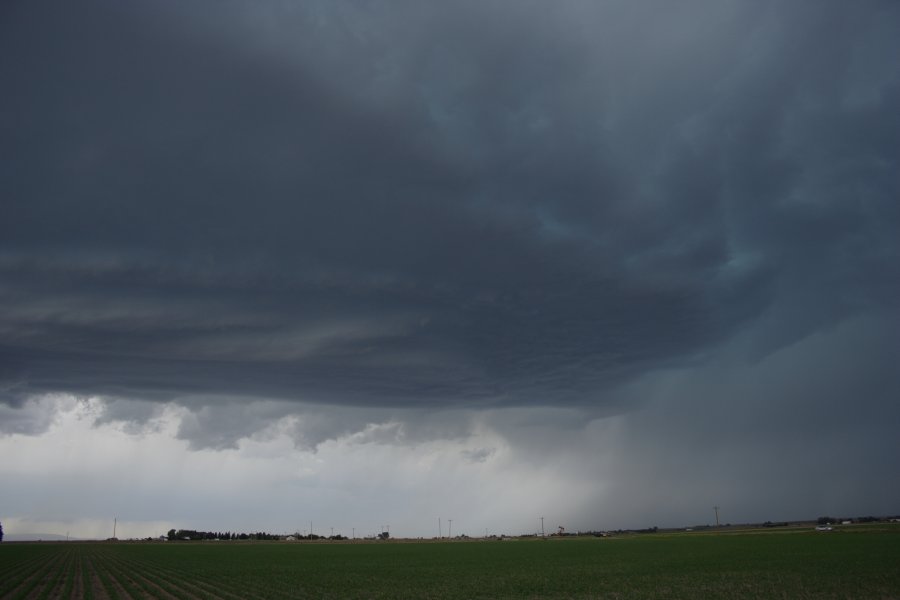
{"x": 31, "y": 418}
{"x": 478, "y": 455}
{"x": 350, "y": 216}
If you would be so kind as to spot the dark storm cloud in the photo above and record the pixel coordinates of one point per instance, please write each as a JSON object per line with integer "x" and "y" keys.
{"x": 30, "y": 419}
{"x": 807, "y": 431}
{"x": 468, "y": 205}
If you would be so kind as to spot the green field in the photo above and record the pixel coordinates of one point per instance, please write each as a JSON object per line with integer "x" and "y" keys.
{"x": 854, "y": 562}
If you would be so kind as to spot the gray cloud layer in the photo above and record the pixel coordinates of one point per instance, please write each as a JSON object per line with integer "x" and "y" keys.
{"x": 472, "y": 205}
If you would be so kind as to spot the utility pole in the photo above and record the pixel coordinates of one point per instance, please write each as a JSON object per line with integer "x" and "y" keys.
{"x": 716, "y": 508}
{"x": 354, "y": 533}
{"x": 310, "y": 529}
{"x": 115, "y": 522}
{"x": 440, "y": 531}
{"x": 450, "y": 529}
{"x": 542, "y": 527}
{"x": 332, "y": 532}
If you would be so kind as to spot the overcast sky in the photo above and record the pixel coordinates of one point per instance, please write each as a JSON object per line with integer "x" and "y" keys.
{"x": 368, "y": 263}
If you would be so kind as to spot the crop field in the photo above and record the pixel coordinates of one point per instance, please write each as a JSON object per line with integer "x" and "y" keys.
{"x": 847, "y": 563}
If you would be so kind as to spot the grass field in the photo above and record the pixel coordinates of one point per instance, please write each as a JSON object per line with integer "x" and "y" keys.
{"x": 854, "y": 562}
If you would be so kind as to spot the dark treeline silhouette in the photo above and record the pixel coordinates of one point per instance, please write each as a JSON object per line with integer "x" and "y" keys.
{"x": 867, "y": 519}
{"x": 193, "y": 535}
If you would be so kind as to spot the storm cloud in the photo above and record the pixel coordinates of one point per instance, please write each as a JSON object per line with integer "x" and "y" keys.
{"x": 394, "y": 220}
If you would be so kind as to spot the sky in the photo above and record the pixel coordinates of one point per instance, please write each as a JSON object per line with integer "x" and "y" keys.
{"x": 374, "y": 264}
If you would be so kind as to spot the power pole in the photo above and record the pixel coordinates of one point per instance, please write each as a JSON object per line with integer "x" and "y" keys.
{"x": 542, "y": 527}
{"x": 115, "y": 522}
{"x": 716, "y": 508}
{"x": 450, "y": 529}
{"x": 354, "y": 533}
{"x": 332, "y": 532}
{"x": 440, "y": 531}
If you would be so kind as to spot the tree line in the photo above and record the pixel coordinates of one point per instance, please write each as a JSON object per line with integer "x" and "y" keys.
{"x": 194, "y": 535}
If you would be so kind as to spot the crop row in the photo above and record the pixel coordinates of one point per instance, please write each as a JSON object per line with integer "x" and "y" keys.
{"x": 796, "y": 565}
{"x": 119, "y": 572}
{"x": 96, "y": 572}
{"x": 50, "y": 572}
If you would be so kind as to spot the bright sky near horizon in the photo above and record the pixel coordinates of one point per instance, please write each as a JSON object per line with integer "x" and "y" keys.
{"x": 607, "y": 263}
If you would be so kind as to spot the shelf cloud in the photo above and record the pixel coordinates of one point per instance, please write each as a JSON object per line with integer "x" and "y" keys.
{"x": 339, "y": 221}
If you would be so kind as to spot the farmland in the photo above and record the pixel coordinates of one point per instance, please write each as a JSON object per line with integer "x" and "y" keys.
{"x": 857, "y": 562}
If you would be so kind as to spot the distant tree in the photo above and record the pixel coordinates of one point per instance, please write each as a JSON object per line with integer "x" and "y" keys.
{"x": 1, "y": 532}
